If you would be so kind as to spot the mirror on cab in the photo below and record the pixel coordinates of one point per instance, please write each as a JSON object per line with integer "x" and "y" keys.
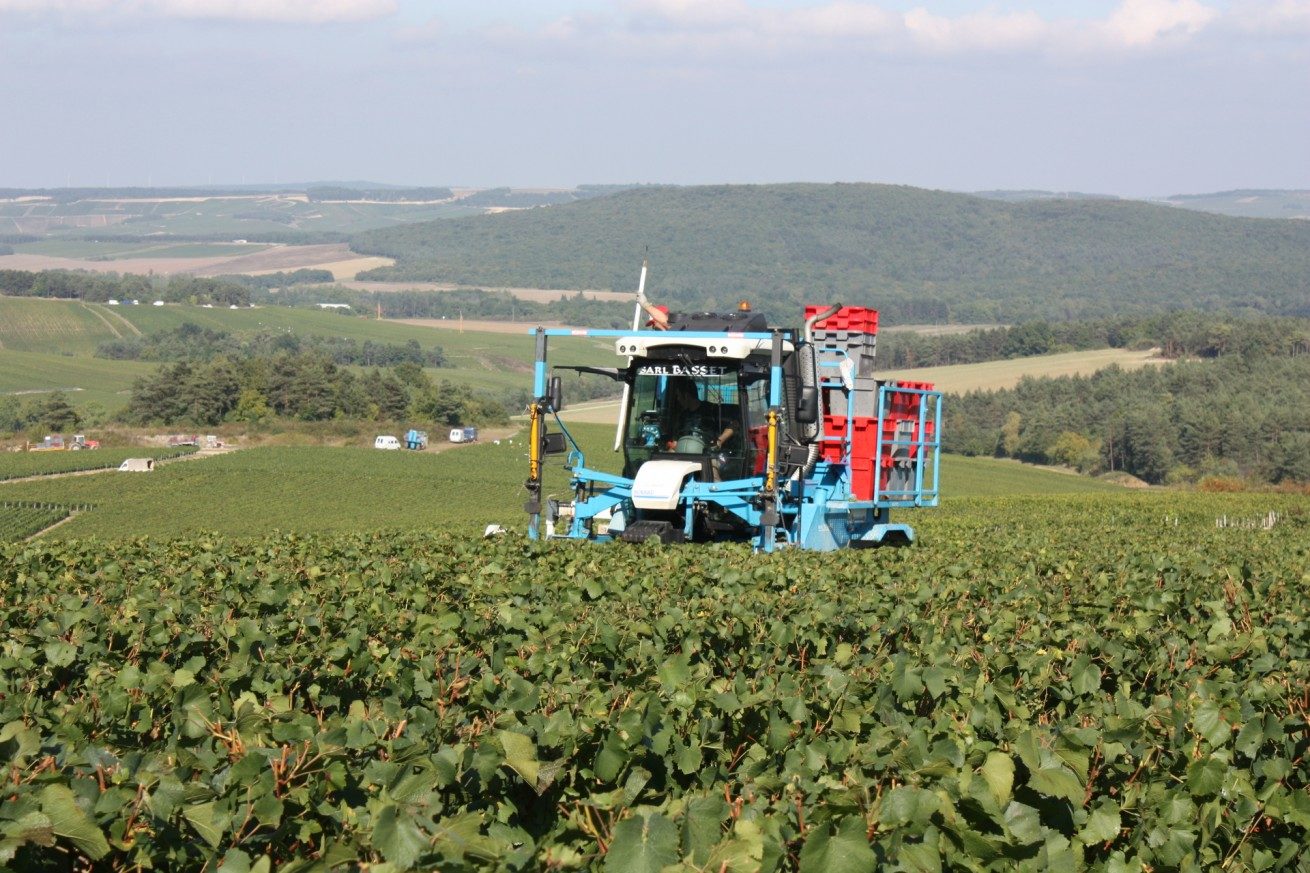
{"x": 555, "y": 393}
{"x": 807, "y": 407}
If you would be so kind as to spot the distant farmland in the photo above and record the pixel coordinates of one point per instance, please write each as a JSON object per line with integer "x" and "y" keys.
{"x": 201, "y": 259}
{"x": 995, "y": 375}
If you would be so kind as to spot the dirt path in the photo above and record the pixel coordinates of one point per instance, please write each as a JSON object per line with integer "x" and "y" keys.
{"x": 104, "y": 320}
{"x": 104, "y": 313}
{"x": 65, "y": 520}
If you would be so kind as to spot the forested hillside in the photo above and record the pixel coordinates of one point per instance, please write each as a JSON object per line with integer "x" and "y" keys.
{"x": 1240, "y": 415}
{"x": 917, "y": 255}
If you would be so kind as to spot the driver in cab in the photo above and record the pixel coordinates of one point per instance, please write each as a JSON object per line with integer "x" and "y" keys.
{"x": 693, "y": 421}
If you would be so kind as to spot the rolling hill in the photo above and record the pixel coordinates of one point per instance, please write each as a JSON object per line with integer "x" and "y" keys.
{"x": 918, "y": 255}
{"x": 48, "y": 345}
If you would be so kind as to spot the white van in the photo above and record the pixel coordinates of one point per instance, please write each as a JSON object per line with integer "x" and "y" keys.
{"x": 386, "y": 442}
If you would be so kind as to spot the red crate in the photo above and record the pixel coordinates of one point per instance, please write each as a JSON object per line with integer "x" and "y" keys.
{"x": 862, "y": 479}
{"x": 834, "y": 428}
{"x": 857, "y": 319}
{"x": 863, "y": 442}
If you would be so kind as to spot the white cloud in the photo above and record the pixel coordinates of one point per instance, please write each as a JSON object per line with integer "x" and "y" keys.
{"x": 707, "y": 25}
{"x": 1138, "y": 23}
{"x": 281, "y": 11}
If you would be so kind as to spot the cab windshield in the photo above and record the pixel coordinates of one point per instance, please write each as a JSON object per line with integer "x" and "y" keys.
{"x": 696, "y": 413}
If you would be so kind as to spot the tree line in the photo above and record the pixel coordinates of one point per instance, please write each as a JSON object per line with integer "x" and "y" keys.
{"x": 52, "y": 412}
{"x": 1236, "y": 415}
{"x": 191, "y": 342}
{"x": 307, "y": 386}
{"x": 102, "y": 287}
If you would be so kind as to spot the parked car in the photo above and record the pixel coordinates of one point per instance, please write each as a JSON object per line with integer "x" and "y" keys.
{"x": 386, "y": 442}
{"x": 464, "y": 435}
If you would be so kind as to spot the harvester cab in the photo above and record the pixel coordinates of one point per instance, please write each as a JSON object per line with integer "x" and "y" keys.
{"x": 734, "y": 430}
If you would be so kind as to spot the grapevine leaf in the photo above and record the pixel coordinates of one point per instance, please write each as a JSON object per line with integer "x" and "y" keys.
{"x": 1205, "y": 776}
{"x": 520, "y": 755}
{"x": 205, "y": 819}
{"x": 846, "y": 851}
{"x": 1058, "y": 782}
{"x": 908, "y": 805}
{"x": 398, "y": 837}
{"x": 1210, "y": 724}
{"x": 1102, "y": 823}
{"x": 67, "y": 820}
{"x": 643, "y": 844}
{"x": 998, "y": 771}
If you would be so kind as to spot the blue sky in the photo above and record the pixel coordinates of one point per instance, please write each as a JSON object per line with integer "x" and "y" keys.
{"x": 1135, "y": 97}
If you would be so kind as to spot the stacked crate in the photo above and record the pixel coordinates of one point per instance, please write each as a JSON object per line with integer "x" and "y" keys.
{"x": 851, "y": 333}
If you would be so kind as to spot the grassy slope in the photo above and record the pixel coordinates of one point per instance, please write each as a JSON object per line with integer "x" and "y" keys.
{"x": 85, "y": 379}
{"x": 916, "y": 254}
{"x": 29, "y": 324}
{"x": 483, "y": 360}
{"x": 347, "y": 489}
{"x": 489, "y": 361}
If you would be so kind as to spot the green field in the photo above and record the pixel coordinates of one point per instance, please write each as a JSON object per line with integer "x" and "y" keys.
{"x": 84, "y": 380}
{"x": 79, "y": 248}
{"x": 1023, "y": 691}
{"x": 31, "y": 324}
{"x": 317, "y": 489}
{"x": 112, "y": 251}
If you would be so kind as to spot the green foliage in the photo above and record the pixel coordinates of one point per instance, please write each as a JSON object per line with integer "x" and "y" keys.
{"x": 54, "y": 412}
{"x": 1075, "y": 450}
{"x": 1017, "y": 693}
{"x": 929, "y": 256}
